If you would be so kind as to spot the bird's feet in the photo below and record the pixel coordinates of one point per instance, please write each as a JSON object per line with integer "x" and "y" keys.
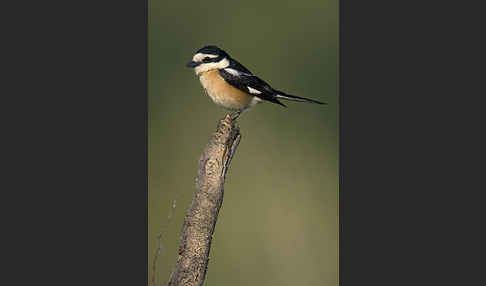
{"x": 235, "y": 114}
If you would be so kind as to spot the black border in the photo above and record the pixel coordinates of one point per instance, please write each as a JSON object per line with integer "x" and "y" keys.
{"x": 404, "y": 116}
{"x": 77, "y": 153}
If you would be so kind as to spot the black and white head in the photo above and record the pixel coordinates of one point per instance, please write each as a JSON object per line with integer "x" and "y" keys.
{"x": 209, "y": 58}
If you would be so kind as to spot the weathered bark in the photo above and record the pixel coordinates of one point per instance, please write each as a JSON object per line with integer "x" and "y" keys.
{"x": 200, "y": 220}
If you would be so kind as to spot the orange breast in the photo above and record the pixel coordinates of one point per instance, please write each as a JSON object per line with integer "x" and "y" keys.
{"x": 222, "y": 93}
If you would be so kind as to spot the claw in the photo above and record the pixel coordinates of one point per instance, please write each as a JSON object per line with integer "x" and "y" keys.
{"x": 235, "y": 114}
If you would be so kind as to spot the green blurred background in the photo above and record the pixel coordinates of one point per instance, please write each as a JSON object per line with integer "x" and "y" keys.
{"x": 278, "y": 224}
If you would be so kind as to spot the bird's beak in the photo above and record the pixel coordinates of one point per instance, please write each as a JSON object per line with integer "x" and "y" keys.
{"x": 192, "y": 64}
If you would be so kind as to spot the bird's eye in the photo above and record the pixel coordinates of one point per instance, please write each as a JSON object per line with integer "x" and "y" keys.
{"x": 206, "y": 59}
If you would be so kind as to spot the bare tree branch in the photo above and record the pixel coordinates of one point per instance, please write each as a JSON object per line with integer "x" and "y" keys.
{"x": 200, "y": 220}
{"x": 159, "y": 247}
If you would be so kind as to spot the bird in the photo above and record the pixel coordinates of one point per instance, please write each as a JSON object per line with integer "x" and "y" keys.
{"x": 232, "y": 86}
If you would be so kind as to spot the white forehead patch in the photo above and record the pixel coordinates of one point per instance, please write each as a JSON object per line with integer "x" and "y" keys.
{"x": 200, "y": 56}
{"x": 224, "y": 63}
{"x": 253, "y": 91}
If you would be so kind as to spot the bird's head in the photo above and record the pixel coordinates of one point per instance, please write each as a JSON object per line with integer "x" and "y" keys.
{"x": 209, "y": 58}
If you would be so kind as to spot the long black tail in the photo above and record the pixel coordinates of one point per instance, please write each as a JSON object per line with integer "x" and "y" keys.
{"x": 283, "y": 95}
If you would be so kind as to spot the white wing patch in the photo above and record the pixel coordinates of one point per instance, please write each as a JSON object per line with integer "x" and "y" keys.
{"x": 253, "y": 91}
{"x": 232, "y": 71}
{"x": 237, "y": 72}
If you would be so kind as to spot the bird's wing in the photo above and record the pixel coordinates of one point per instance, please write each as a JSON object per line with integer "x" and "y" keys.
{"x": 244, "y": 80}
{"x": 241, "y": 78}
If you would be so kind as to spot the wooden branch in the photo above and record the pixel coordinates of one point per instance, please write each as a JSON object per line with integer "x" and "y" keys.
{"x": 200, "y": 220}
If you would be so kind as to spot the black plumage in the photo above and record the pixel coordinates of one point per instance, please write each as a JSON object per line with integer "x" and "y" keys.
{"x": 245, "y": 79}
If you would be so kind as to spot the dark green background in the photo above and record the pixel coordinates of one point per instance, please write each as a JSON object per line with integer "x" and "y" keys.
{"x": 279, "y": 221}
